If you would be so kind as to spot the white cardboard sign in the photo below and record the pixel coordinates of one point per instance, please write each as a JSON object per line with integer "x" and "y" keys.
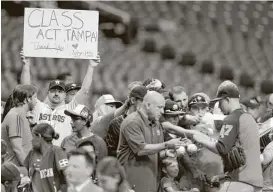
{"x": 61, "y": 33}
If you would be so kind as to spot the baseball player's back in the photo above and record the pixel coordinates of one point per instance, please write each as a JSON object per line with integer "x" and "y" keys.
{"x": 56, "y": 118}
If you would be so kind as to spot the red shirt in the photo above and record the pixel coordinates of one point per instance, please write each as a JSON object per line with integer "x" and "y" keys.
{"x": 47, "y": 171}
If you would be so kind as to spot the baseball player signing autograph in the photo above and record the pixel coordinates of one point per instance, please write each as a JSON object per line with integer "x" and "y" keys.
{"x": 238, "y": 143}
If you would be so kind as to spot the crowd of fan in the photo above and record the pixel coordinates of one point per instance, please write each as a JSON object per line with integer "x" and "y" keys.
{"x": 151, "y": 142}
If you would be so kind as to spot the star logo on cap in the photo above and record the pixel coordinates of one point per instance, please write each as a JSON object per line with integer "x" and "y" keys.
{"x": 199, "y": 98}
{"x": 57, "y": 82}
{"x": 175, "y": 107}
{"x": 73, "y": 85}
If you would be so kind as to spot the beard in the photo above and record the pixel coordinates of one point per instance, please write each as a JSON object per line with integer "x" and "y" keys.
{"x": 56, "y": 100}
{"x": 36, "y": 148}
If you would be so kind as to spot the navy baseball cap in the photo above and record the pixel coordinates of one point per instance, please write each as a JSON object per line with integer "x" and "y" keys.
{"x": 138, "y": 92}
{"x": 171, "y": 108}
{"x": 57, "y": 83}
{"x": 197, "y": 99}
{"x": 80, "y": 111}
{"x": 227, "y": 89}
{"x": 72, "y": 86}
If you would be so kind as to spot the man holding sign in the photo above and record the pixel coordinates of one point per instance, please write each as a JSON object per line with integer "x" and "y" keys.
{"x": 60, "y": 33}
{"x": 52, "y": 111}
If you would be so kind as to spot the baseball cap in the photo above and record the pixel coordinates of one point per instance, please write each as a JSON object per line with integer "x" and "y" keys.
{"x": 72, "y": 86}
{"x": 227, "y": 89}
{"x": 80, "y": 111}
{"x": 9, "y": 172}
{"x": 153, "y": 84}
{"x": 198, "y": 99}
{"x": 138, "y": 92}
{"x": 56, "y": 83}
{"x": 171, "y": 108}
{"x": 107, "y": 99}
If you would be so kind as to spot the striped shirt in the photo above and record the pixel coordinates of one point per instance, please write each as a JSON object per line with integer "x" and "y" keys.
{"x": 55, "y": 117}
{"x": 14, "y": 125}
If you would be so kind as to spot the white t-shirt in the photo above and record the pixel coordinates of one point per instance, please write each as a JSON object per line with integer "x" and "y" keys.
{"x": 56, "y": 118}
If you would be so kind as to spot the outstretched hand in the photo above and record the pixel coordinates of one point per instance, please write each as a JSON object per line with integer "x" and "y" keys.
{"x": 200, "y": 137}
{"x": 95, "y": 62}
{"x": 25, "y": 59}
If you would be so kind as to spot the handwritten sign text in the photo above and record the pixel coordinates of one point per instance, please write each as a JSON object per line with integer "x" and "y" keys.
{"x": 60, "y": 33}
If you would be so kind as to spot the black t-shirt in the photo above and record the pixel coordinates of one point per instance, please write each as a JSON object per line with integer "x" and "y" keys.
{"x": 112, "y": 137}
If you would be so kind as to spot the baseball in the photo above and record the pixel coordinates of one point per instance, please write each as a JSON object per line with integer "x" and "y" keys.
{"x": 192, "y": 148}
{"x": 181, "y": 151}
{"x": 210, "y": 131}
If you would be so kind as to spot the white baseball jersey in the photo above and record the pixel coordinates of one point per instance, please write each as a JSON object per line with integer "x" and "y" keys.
{"x": 56, "y": 118}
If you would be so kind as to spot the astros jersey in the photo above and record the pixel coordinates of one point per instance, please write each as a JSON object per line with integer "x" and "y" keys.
{"x": 56, "y": 118}
{"x": 46, "y": 171}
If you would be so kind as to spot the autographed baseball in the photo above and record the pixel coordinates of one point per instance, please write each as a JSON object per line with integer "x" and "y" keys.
{"x": 210, "y": 131}
{"x": 192, "y": 148}
{"x": 181, "y": 151}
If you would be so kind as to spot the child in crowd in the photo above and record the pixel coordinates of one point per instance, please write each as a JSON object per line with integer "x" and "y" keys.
{"x": 168, "y": 183}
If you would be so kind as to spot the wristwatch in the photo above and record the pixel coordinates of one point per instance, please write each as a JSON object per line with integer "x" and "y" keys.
{"x": 166, "y": 145}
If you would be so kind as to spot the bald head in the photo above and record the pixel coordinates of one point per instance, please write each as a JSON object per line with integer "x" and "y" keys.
{"x": 154, "y": 104}
{"x": 153, "y": 97}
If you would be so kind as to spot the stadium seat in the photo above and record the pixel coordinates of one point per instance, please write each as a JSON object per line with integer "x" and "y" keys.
{"x": 204, "y": 30}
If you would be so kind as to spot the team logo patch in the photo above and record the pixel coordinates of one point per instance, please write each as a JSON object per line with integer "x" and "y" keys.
{"x": 175, "y": 107}
{"x": 63, "y": 163}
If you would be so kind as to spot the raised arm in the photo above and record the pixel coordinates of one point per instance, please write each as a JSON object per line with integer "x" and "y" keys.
{"x": 82, "y": 94}
{"x": 121, "y": 110}
{"x": 177, "y": 130}
{"x": 25, "y": 75}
